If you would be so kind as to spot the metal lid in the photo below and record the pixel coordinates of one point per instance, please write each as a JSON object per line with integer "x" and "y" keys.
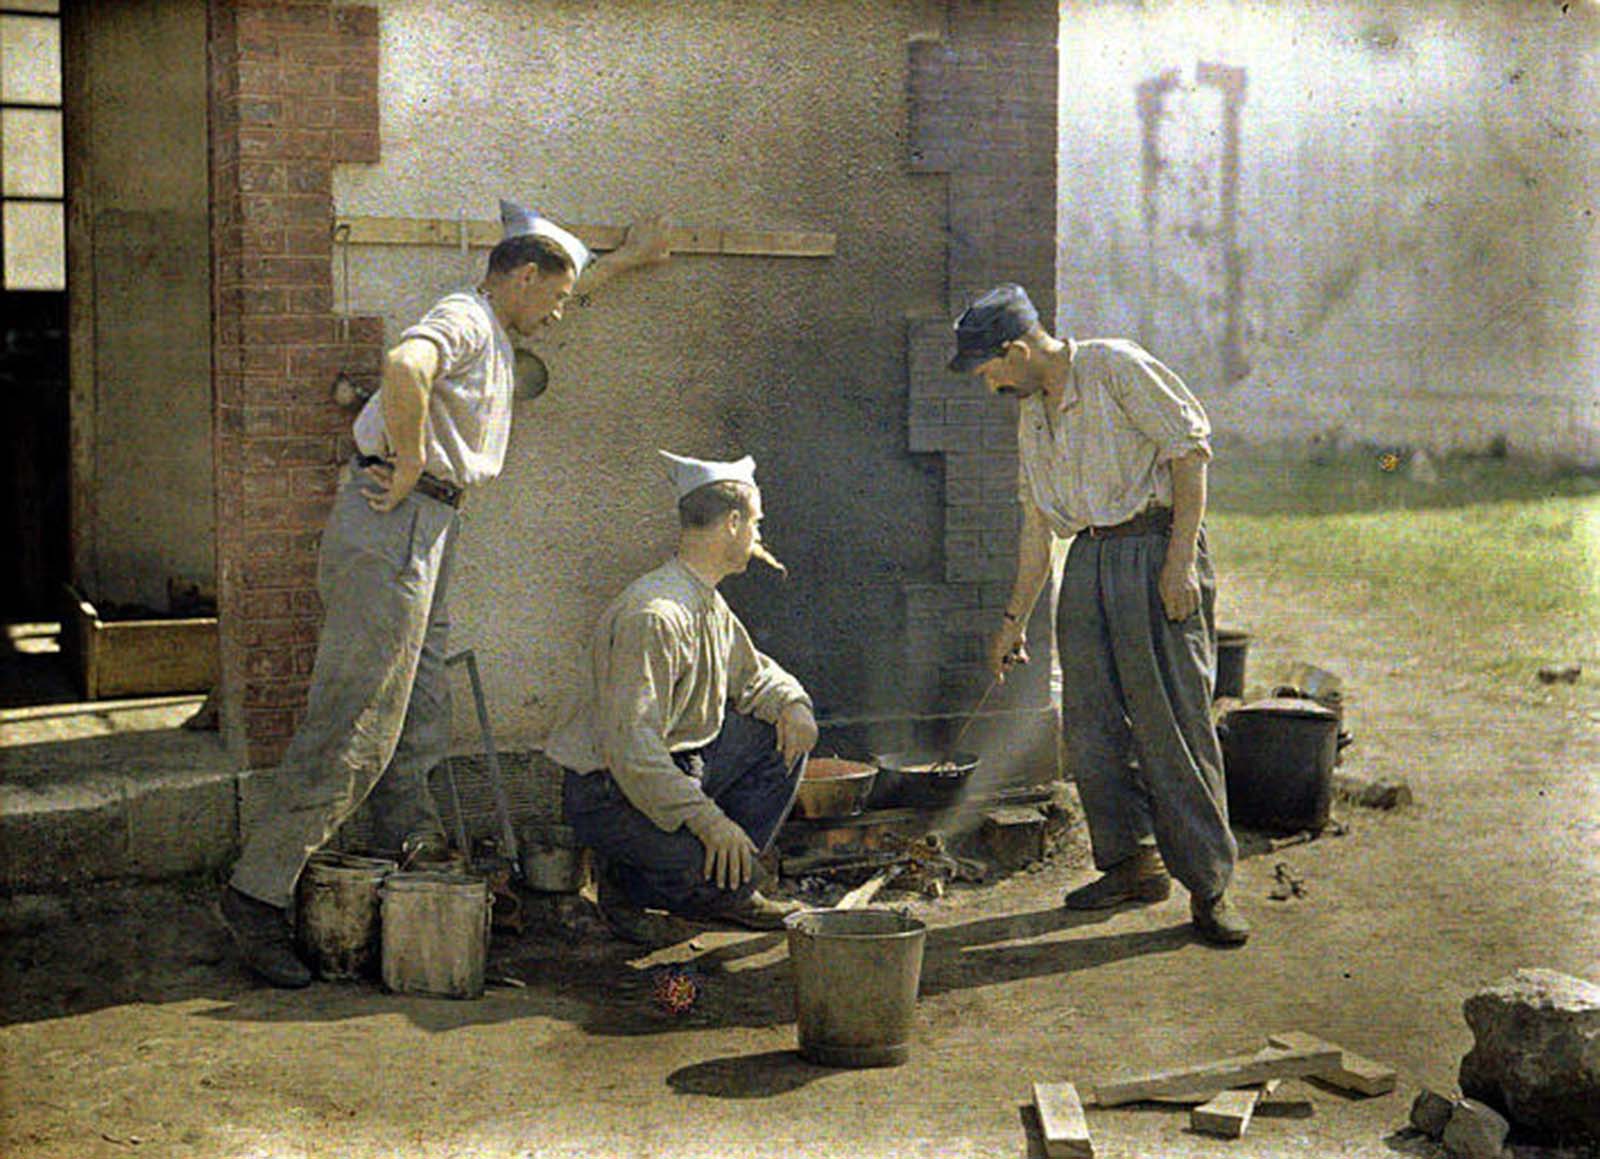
{"x": 1227, "y": 635}
{"x": 1287, "y": 706}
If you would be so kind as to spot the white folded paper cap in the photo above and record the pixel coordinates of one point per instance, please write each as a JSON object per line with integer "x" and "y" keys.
{"x": 517, "y": 221}
{"x": 690, "y": 474}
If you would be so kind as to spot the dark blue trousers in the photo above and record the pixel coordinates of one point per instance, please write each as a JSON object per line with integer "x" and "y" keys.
{"x": 742, "y": 771}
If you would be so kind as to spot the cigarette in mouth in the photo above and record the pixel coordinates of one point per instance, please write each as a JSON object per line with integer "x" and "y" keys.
{"x": 759, "y": 551}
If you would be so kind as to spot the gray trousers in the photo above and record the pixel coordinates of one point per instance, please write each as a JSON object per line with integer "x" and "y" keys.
{"x": 1136, "y": 684}
{"x": 377, "y": 715}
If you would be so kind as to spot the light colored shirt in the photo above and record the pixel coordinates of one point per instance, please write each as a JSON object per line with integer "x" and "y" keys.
{"x": 666, "y": 659}
{"x": 1099, "y": 456}
{"x": 469, "y": 407}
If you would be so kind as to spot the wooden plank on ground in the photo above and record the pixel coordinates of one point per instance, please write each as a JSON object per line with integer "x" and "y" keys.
{"x": 867, "y": 890}
{"x": 1354, "y": 1073}
{"x": 1284, "y": 1100}
{"x": 1066, "y": 1131}
{"x": 1220, "y": 1074}
{"x": 1227, "y": 1115}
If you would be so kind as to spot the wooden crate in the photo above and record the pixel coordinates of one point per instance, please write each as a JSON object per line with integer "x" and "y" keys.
{"x": 138, "y": 657}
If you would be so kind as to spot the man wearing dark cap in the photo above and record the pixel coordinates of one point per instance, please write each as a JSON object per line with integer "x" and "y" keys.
{"x": 377, "y": 716}
{"x": 1113, "y": 451}
{"x": 687, "y": 746}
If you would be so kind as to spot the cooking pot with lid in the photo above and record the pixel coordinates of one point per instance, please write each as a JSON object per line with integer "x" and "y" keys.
{"x": 1278, "y": 755}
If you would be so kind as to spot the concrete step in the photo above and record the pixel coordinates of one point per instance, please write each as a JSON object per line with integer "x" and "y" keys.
{"x": 112, "y": 790}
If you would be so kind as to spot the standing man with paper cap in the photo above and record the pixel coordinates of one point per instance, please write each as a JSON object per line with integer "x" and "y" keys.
{"x": 1113, "y": 451}
{"x": 676, "y": 795}
{"x": 377, "y": 716}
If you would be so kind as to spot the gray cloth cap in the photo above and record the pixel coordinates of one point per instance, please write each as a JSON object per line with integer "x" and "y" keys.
{"x": 996, "y": 317}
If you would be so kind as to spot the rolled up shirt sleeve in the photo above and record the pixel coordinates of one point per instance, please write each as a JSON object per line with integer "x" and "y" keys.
{"x": 1158, "y": 403}
{"x": 644, "y": 662}
{"x": 456, "y": 331}
{"x": 757, "y": 686}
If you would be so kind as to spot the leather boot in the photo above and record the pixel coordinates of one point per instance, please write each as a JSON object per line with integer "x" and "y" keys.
{"x": 1217, "y": 921}
{"x": 1141, "y": 878}
{"x": 261, "y": 932}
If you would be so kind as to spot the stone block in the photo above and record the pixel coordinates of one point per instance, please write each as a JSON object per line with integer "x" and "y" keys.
{"x": 1536, "y": 1053}
{"x": 1013, "y": 837}
{"x": 1475, "y": 1131}
{"x": 182, "y": 825}
{"x": 1430, "y": 1113}
{"x": 61, "y": 836}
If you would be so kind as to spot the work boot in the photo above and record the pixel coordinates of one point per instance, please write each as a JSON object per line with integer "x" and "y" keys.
{"x": 626, "y": 920}
{"x": 757, "y": 912}
{"x": 1141, "y": 878}
{"x": 1218, "y": 922}
{"x": 261, "y": 932}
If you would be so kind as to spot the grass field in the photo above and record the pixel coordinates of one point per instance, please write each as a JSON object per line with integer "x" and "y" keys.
{"x": 1501, "y": 561}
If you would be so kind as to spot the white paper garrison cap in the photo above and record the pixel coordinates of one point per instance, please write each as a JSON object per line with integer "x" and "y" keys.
{"x": 517, "y": 221}
{"x": 690, "y": 474}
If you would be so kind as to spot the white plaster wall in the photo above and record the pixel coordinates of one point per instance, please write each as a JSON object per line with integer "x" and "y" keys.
{"x": 1417, "y": 215}
{"x": 759, "y": 115}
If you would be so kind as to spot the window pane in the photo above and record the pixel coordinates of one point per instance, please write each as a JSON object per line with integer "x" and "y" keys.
{"x": 35, "y": 242}
{"x": 30, "y": 143}
{"x": 30, "y": 60}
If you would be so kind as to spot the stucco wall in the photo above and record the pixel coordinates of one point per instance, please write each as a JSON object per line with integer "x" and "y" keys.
{"x": 142, "y": 367}
{"x": 1419, "y": 256}
{"x": 761, "y": 115}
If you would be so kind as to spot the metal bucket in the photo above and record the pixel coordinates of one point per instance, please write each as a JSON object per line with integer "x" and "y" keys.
{"x": 1233, "y": 649}
{"x": 435, "y": 934}
{"x": 338, "y": 915}
{"x": 855, "y": 984}
{"x": 552, "y": 859}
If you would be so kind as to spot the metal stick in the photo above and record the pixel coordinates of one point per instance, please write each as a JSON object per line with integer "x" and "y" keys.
{"x": 502, "y": 806}
{"x": 994, "y": 682}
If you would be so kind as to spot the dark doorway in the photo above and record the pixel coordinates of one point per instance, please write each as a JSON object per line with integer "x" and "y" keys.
{"x": 33, "y": 449}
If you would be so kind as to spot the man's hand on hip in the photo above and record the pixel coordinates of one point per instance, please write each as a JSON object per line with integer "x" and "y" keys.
{"x": 797, "y": 732}
{"x": 395, "y": 481}
{"x": 730, "y": 854}
{"x": 1180, "y": 587}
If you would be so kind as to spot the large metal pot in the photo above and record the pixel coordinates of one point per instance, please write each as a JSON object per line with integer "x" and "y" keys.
{"x": 832, "y": 787}
{"x": 1278, "y": 755}
{"x": 921, "y": 780}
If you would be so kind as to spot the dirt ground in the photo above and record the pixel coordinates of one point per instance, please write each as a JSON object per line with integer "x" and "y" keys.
{"x": 129, "y": 1029}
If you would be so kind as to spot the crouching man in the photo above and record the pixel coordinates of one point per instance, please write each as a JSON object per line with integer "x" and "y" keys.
{"x": 676, "y": 795}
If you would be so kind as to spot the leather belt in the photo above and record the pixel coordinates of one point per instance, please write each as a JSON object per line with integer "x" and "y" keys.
{"x": 446, "y": 492}
{"x": 1150, "y": 521}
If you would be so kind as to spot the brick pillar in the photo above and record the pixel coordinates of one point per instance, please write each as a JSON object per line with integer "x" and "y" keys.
{"x": 982, "y": 103}
{"x": 294, "y": 91}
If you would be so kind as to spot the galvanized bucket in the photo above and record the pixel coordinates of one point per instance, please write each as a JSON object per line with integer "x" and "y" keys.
{"x": 856, "y": 974}
{"x": 338, "y": 915}
{"x": 435, "y": 934}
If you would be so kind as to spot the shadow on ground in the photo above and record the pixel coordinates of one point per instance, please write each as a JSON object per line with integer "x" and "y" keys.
{"x": 113, "y": 945}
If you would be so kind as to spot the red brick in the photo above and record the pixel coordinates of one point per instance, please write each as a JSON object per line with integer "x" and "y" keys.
{"x": 276, "y": 663}
{"x": 261, "y": 177}
{"x": 287, "y": 695}
{"x": 267, "y": 605}
{"x": 357, "y": 147}
{"x": 260, "y": 112}
{"x": 356, "y": 21}
{"x": 309, "y": 243}
{"x": 288, "y": 329}
{"x": 313, "y": 301}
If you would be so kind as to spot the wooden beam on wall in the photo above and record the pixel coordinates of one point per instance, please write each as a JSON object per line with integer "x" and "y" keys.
{"x": 435, "y": 231}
